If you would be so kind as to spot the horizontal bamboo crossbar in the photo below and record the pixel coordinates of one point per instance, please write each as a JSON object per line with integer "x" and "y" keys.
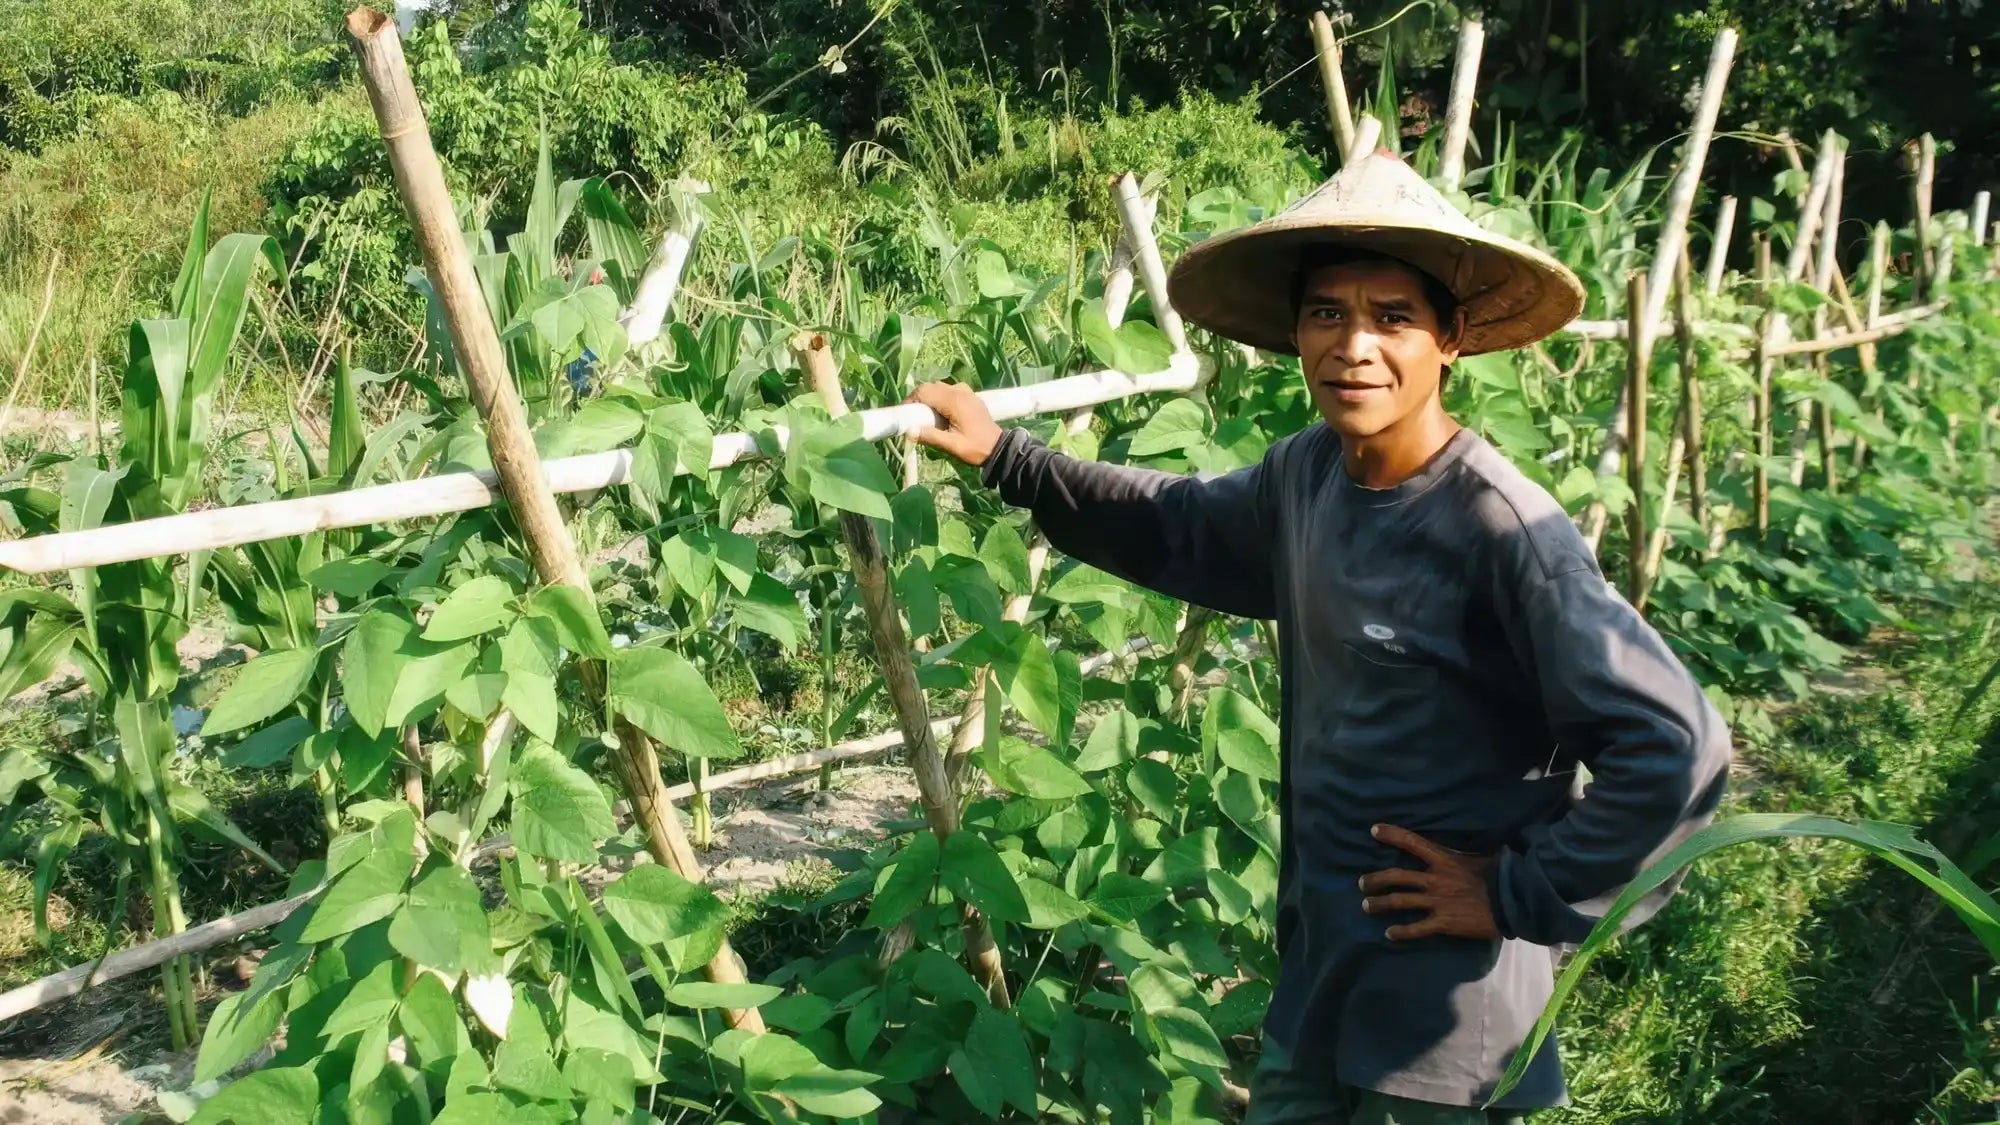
{"x": 459, "y": 492}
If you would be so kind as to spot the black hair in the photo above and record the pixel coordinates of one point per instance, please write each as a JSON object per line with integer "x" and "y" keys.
{"x": 1319, "y": 255}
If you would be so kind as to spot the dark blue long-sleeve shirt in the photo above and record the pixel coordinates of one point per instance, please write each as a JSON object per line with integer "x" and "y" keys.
{"x": 1448, "y": 653}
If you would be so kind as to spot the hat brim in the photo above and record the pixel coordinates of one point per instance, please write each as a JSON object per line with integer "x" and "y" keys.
{"x": 1239, "y": 285}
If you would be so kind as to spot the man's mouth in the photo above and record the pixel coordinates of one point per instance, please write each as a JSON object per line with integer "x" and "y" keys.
{"x": 1352, "y": 390}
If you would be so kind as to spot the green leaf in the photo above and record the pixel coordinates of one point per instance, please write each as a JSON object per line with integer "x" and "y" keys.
{"x": 1898, "y": 844}
{"x": 350, "y": 578}
{"x": 771, "y": 608}
{"x": 234, "y": 1032}
{"x": 278, "y": 1096}
{"x": 1083, "y": 584}
{"x": 603, "y": 423}
{"x": 268, "y": 747}
{"x": 1135, "y": 348}
{"x": 1188, "y": 860}
{"x": 578, "y": 628}
{"x": 708, "y": 994}
{"x": 991, "y": 275}
{"x": 1006, "y": 559}
{"x": 973, "y": 871}
{"x": 917, "y": 593}
{"x": 1188, "y": 1037}
{"x": 266, "y": 685}
{"x": 845, "y": 471}
{"x": 1113, "y": 741}
{"x": 369, "y": 1003}
{"x": 391, "y": 673}
{"x": 559, "y": 813}
{"x": 1049, "y": 906}
{"x": 665, "y": 696}
{"x": 479, "y": 606}
{"x": 1179, "y": 424}
{"x": 840, "y": 1094}
{"x": 369, "y": 891}
{"x": 1022, "y": 767}
{"x": 1156, "y": 787}
{"x": 1036, "y": 689}
{"x": 799, "y": 1012}
{"x": 1248, "y": 751}
{"x": 1233, "y": 901}
{"x": 908, "y": 883}
{"x": 443, "y": 924}
{"x": 1228, "y": 710}
{"x": 994, "y": 1067}
{"x": 657, "y": 907}
{"x": 429, "y": 1019}
{"x": 1122, "y": 898}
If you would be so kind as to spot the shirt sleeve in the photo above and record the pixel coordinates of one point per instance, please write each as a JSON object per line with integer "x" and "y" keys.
{"x": 1618, "y": 700}
{"x": 1207, "y": 540}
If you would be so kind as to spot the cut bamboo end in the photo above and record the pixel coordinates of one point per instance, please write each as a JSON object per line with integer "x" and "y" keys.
{"x": 1458, "y": 114}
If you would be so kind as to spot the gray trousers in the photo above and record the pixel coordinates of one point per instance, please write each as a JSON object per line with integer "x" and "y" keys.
{"x": 1283, "y": 1095}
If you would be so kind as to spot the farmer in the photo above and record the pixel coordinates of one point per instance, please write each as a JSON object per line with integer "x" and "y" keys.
{"x": 1448, "y": 652}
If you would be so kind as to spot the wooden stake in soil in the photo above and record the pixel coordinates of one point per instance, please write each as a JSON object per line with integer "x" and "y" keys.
{"x": 1691, "y": 431}
{"x": 515, "y": 461}
{"x": 1327, "y": 48}
{"x": 1761, "y": 365}
{"x": 1137, "y": 219}
{"x": 1673, "y": 231}
{"x": 1637, "y": 361}
{"x": 1921, "y": 198}
{"x": 899, "y": 675}
{"x": 1458, "y": 115}
{"x": 1718, "y": 250}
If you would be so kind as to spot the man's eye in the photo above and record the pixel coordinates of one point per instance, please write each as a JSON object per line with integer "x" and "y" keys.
{"x": 1326, "y": 314}
{"x": 1395, "y": 318}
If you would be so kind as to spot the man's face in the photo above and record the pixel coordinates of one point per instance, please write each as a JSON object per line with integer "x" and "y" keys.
{"x": 1371, "y": 346}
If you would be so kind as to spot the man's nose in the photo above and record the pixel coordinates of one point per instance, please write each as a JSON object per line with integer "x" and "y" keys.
{"x": 1356, "y": 346}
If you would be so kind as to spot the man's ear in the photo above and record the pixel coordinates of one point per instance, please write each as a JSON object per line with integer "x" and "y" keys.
{"x": 1454, "y": 340}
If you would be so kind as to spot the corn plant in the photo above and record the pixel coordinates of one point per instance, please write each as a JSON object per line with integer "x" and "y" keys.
{"x": 122, "y": 623}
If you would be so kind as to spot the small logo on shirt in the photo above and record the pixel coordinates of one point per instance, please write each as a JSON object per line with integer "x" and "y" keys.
{"x": 1379, "y": 632}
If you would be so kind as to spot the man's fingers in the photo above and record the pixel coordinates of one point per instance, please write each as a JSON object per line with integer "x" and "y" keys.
{"x": 1414, "y": 930}
{"x": 1402, "y": 900}
{"x": 1394, "y": 877}
{"x": 950, "y": 442}
{"x": 1410, "y": 842}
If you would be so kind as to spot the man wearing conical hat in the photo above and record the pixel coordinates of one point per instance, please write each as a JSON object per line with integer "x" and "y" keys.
{"x": 1449, "y": 653}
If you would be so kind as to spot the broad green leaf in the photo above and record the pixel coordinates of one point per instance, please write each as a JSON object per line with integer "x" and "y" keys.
{"x": 1136, "y": 348}
{"x": 840, "y": 1094}
{"x": 918, "y": 595}
{"x": 1242, "y": 1010}
{"x": 665, "y": 696}
{"x": 1113, "y": 741}
{"x": 368, "y": 1004}
{"x": 265, "y": 686}
{"x": 1049, "y": 906}
{"x": 908, "y": 883}
{"x": 974, "y": 872}
{"x": 770, "y": 607}
{"x": 603, "y": 423}
{"x": 655, "y": 906}
{"x": 369, "y": 891}
{"x": 845, "y": 471}
{"x": 1006, "y": 559}
{"x": 1249, "y": 752}
{"x": 1156, "y": 787}
{"x": 350, "y": 578}
{"x": 993, "y": 1067}
{"x": 991, "y": 274}
{"x": 559, "y": 813}
{"x": 799, "y": 1012}
{"x": 235, "y": 1032}
{"x": 1022, "y": 767}
{"x": 278, "y": 1096}
{"x": 1228, "y": 710}
{"x": 443, "y": 924}
{"x": 1083, "y": 584}
{"x": 1121, "y": 898}
{"x": 1188, "y": 1037}
{"x": 1179, "y": 424}
{"x": 677, "y": 437}
{"x": 428, "y": 1017}
{"x": 1036, "y": 688}
{"x": 1896, "y": 843}
{"x": 1233, "y": 902}
{"x": 268, "y": 746}
{"x": 708, "y": 994}
{"x": 578, "y": 628}
{"x": 389, "y": 672}
{"x": 479, "y": 606}
{"x": 1188, "y": 860}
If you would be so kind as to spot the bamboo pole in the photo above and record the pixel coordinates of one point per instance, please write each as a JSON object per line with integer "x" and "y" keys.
{"x": 1137, "y": 220}
{"x": 1637, "y": 360}
{"x": 1825, "y": 267}
{"x": 1458, "y": 114}
{"x": 1920, "y": 190}
{"x": 1673, "y": 231}
{"x": 1982, "y": 204}
{"x": 1327, "y": 49}
{"x": 235, "y": 526}
{"x": 1691, "y": 428}
{"x": 517, "y": 466}
{"x": 1761, "y": 366}
{"x": 899, "y": 675}
{"x": 1813, "y": 211}
{"x": 1367, "y": 137}
{"x": 654, "y": 295}
{"x": 1718, "y": 250}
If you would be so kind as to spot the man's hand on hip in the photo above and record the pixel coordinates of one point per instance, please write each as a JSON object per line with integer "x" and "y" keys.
{"x": 966, "y": 430}
{"x": 1451, "y": 891}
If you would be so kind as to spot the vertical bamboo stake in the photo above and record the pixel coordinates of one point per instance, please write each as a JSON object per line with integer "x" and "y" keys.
{"x": 1718, "y": 250}
{"x": 1824, "y": 268}
{"x": 1118, "y": 278}
{"x": 899, "y": 676}
{"x": 1761, "y": 364}
{"x": 1137, "y": 220}
{"x": 1673, "y": 230}
{"x": 1982, "y": 203}
{"x": 1458, "y": 115}
{"x": 1327, "y": 49}
{"x": 1813, "y": 211}
{"x": 1691, "y": 430}
{"x": 420, "y": 180}
{"x": 1921, "y": 198}
{"x": 1635, "y": 428}
{"x": 653, "y": 296}
{"x": 1878, "y": 257}
{"x": 1367, "y": 138}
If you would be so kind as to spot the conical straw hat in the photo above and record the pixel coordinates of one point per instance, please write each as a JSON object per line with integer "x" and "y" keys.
{"x": 1239, "y": 284}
